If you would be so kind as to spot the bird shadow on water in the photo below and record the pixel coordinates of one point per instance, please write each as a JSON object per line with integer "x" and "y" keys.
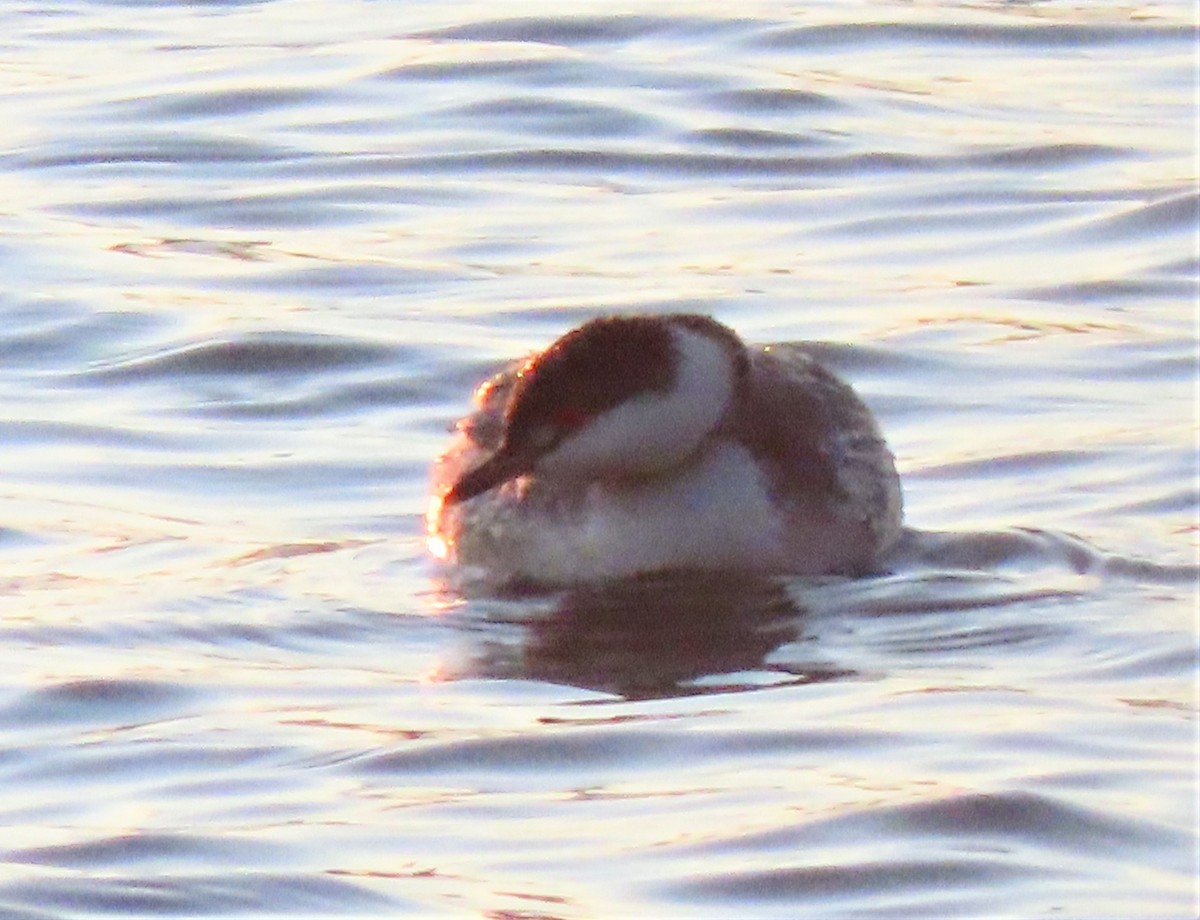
{"x": 652, "y": 637}
{"x": 685, "y": 634}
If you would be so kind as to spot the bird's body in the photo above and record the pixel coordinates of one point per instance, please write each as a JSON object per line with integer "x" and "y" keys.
{"x": 657, "y": 443}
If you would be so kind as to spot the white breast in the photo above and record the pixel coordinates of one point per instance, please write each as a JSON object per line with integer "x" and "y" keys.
{"x": 715, "y": 515}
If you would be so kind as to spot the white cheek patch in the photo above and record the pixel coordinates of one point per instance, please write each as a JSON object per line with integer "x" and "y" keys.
{"x": 657, "y": 430}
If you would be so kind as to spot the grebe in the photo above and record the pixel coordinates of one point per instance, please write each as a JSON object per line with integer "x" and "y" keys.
{"x": 638, "y": 444}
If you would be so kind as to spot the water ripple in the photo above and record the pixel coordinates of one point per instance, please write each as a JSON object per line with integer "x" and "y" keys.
{"x": 1024, "y": 36}
{"x": 196, "y": 893}
{"x": 266, "y": 353}
{"x": 258, "y": 255}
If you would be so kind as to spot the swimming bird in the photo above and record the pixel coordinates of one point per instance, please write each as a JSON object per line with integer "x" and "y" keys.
{"x": 655, "y": 443}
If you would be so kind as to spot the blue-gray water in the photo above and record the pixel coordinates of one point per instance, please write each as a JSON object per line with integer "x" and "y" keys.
{"x": 255, "y": 257}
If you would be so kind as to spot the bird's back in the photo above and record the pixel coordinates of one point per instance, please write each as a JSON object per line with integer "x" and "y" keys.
{"x": 819, "y": 444}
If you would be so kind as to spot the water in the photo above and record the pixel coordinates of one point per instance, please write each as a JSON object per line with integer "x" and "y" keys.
{"x": 257, "y": 255}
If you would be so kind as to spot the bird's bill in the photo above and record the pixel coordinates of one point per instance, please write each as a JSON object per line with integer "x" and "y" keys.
{"x": 496, "y": 470}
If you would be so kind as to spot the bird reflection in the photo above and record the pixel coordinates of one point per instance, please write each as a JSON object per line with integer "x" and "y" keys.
{"x": 659, "y": 636}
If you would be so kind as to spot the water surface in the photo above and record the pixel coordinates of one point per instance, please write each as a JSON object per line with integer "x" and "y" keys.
{"x": 258, "y": 254}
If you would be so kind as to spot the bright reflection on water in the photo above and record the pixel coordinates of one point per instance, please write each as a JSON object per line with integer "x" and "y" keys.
{"x": 258, "y": 255}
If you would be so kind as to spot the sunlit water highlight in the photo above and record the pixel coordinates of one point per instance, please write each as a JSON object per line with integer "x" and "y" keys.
{"x": 257, "y": 256}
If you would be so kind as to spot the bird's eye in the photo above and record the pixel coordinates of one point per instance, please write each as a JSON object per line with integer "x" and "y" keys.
{"x": 568, "y": 418}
